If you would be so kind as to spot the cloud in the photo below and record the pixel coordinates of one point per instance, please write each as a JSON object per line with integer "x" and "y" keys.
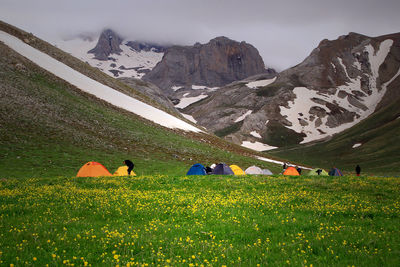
{"x": 284, "y": 31}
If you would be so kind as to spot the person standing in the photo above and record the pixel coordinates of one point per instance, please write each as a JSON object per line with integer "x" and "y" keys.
{"x": 358, "y": 170}
{"x": 130, "y": 165}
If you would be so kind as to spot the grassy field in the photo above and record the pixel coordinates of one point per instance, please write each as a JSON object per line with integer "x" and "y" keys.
{"x": 200, "y": 221}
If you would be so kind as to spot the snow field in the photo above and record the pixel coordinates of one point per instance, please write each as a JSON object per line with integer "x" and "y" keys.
{"x": 260, "y": 83}
{"x": 186, "y": 101}
{"x": 257, "y": 146}
{"x": 129, "y": 58}
{"x": 243, "y": 116}
{"x": 255, "y": 134}
{"x": 201, "y": 87}
{"x": 356, "y": 145}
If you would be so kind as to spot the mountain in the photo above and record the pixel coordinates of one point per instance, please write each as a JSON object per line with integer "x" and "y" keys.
{"x": 114, "y": 55}
{"x": 133, "y": 60}
{"x": 108, "y": 43}
{"x": 217, "y": 63}
{"x": 59, "y": 113}
{"x": 341, "y": 83}
{"x": 372, "y": 144}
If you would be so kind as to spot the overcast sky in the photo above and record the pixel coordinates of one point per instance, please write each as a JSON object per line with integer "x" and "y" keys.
{"x": 284, "y": 31}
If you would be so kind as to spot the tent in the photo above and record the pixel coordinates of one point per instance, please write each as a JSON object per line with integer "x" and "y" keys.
{"x": 237, "y": 170}
{"x": 93, "y": 169}
{"x": 317, "y": 171}
{"x": 222, "y": 168}
{"x": 335, "y": 172}
{"x": 123, "y": 171}
{"x": 291, "y": 171}
{"x": 197, "y": 169}
{"x": 266, "y": 172}
{"x": 253, "y": 170}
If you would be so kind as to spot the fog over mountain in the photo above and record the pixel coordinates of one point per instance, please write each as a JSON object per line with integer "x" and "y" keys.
{"x": 284, "y": 32}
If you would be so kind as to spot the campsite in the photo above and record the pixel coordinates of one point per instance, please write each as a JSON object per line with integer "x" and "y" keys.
{"x": 66, "y": 198}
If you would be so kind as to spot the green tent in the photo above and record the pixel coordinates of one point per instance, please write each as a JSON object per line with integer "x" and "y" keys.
{"x": 315, "y": 171}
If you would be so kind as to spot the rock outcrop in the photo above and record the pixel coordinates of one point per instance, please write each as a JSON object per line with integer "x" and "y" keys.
{"x": 109, "y": 43}
{"x": 217, "y": 63}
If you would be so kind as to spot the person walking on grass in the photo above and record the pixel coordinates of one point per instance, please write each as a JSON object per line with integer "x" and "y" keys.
{"x": 358, "y": 170}
{"x": 130, "y": 165}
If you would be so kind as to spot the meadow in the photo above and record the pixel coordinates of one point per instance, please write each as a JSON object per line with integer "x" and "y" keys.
{"x": 200, "y": 221}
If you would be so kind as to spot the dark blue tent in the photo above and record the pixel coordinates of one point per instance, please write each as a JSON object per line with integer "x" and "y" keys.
{"x": 197, "y": 169}
{"x": 335, "y": 172}
{"x": 222, "y": 168}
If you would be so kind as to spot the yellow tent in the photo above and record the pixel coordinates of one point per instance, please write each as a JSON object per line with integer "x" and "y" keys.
{"x": 123, "y": 171}
{"x": 93, "y": 169}
{"x": 237, "y": 170}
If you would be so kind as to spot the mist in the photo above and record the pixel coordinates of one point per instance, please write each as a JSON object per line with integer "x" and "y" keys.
{"x": 284, "y": 32}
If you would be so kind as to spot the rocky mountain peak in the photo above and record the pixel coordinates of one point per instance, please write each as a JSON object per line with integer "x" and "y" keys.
{"x": 216, "y": 63}
{"x": 109, "y": 43}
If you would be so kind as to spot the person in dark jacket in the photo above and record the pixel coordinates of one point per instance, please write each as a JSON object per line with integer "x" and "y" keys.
{"x": 358, "y": 170}
{"x": 208, "y": 170}
{"x": 130, "y": 165}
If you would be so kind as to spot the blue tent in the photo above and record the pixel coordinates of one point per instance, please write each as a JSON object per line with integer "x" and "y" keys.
{"x": 335, "y": 172}
{"x": 222, "y": 168}
{"x": 197, "y": 169}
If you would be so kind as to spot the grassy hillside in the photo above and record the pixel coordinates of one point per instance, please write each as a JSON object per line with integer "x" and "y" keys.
{"x": 379, "y": 136}
{"x": 50, "y": 128}
{"x": 209, "y": 220}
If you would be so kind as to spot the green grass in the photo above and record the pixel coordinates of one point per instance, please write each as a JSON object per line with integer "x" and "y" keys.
{"x": 229, "y": 129}
{"x": 279, "y": 135}
{"x": 209, "y": 220}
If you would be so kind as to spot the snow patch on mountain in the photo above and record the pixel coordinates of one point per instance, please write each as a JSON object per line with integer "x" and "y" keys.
{"x": 93, "y": 87}
{"x": 260, "y": 83}
{"x": 129, "y": 63}
{"x": 186, "y": 101}
{"x": 257, "y": 146}
{"x": 202, "y": 87}
{"x": 190, "y": 118}
{"x": 305, "y": 98}
{"x": 243, "y": 116}
{"x": 176, "y": 88}
{"x": 376, "y": 58}
{"x": 356, "y": 145}
{"x": 255, "y": 134}
{"x": 343, "y": 66}
{"x": 357, "y": 65}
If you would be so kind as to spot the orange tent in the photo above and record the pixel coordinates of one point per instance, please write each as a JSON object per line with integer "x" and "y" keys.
{"x": 93, "y": 169}
{"x": 291, "y": 171}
